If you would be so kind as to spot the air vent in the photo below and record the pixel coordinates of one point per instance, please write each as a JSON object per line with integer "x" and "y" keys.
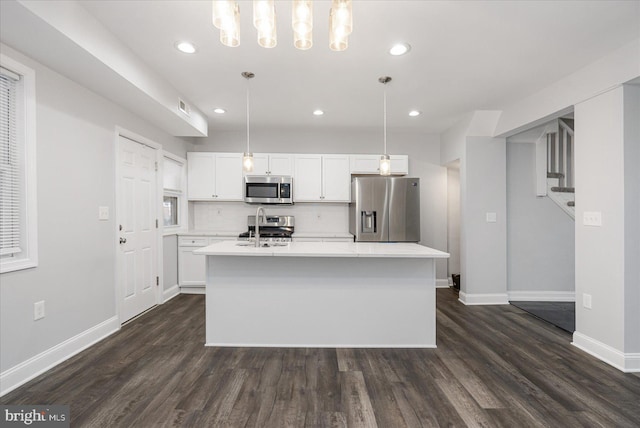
{"x": 183, "y": 107}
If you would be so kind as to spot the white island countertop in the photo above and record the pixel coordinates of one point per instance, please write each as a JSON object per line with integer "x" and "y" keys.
{"x": 324, "y": 249}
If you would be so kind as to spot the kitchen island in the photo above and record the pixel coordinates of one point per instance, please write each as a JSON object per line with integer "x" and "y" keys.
{"x": 321, "y": 294}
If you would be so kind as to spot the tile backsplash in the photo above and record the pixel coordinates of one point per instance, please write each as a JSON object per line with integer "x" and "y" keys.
{"x": 232, "y": 216}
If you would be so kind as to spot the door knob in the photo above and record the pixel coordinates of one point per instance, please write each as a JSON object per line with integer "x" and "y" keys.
{"x": 123, "y": 240}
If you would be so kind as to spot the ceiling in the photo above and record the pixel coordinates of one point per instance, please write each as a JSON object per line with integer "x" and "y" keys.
{"x": 465, "y": 56}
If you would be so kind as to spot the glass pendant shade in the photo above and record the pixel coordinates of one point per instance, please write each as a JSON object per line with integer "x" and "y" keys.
{"x": 342, "y": 17}
{"x": 247, "y": 162}
{"x": 230, "y": 29}
{"x": 264, "y": 19}
{"x": 338, "y": 38}
{"x": 385, "y": 165}
{"x": 302, "y": 24}
{"x": 303, "y": 41}
{"x": 223, "y": 13}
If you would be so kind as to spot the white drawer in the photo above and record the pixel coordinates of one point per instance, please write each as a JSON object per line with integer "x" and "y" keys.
{"x": 193, "y": 241}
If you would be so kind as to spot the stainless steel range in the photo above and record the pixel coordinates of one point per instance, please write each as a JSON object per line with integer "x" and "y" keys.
{"x": 276, "y": 229}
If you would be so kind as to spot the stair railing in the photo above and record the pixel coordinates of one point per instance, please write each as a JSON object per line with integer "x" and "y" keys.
{"x": 560, "y": 154}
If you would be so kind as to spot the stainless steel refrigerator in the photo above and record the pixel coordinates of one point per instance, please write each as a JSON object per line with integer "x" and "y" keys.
{"x": 385, "y": 209}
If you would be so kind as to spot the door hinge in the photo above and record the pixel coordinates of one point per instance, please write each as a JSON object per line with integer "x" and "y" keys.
{"x": 156, "y": 165}
{"x": 157, "y": 280}
{"x": 156, "y": 223}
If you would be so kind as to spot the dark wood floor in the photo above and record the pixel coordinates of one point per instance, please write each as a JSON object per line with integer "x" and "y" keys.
{"x": 494, "y": 366}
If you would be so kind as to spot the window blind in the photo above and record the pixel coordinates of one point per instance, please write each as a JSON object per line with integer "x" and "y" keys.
{"x": 10, "y": 198}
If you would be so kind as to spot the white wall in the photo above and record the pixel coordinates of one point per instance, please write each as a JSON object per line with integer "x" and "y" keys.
{"x": 453, "y": 219}
{"x": 540, "y": 235}
{"x": 424, "y": 162}
{"x": 75, "y": 174}
{"x": 483, "y": 191}
{"x": 607, "y": 256}
{"x": 632, "y": 218}
{"x": 618, "y": 67}
{"x": 169, "y": 261}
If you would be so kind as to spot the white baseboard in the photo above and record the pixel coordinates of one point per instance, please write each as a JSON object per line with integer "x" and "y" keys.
{"x": 483, "y": 299}
{"x": 542, "y": 296}
{"x": 35, "y": 366}
{"x": 170, "y": 293}
{"x": 442, "y": 283}
{"x": 626, "y": 362}
{"x": 324, "y": 345}
{"x": 193, "y": 289}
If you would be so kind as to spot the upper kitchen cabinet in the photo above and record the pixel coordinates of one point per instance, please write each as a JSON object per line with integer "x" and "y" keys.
{"x": 272, "y": 164}
{"x": 370, "y": 164}
{"x": 214, "y": 176}
{"x": 322, "y": 178}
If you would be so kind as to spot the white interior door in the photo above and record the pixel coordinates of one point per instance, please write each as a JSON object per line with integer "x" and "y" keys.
{"x": 137, "y": 214}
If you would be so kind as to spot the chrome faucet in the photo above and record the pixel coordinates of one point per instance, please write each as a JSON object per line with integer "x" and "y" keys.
{"x": 264, "y": 216}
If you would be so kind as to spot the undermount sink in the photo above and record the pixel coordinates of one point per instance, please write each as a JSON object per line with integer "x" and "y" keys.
{"x": 262, "y": 244}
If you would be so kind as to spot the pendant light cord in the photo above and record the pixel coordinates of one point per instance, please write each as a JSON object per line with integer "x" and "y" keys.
{"x": 248, "y": 151}
{"x": 385, "y": 118}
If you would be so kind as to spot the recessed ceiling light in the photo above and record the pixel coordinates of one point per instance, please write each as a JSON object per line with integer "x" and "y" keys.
{"x": 318, "y": 112}
{"x": 185, "y": 47}
{"x": 400, "y": 49}
{"x": 414, "y": 113}
{"x": 219, "y": 110}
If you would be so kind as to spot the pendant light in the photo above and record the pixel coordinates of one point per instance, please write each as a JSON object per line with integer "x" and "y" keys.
{"x": 302, "y": 24}
{"x": 247, "y": 157}
{"x": 385, "y": 160}
{"x": 264, "y": 19}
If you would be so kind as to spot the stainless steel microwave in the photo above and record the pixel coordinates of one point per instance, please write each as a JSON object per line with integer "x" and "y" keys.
{"x": 268, "y": 189}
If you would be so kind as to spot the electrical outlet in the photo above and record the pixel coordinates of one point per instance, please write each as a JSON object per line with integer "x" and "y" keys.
{"x": 586, "y": 301}
{"x": 592, "y": 218}
{"x": 492, "y": 217}
{"x": 103, "y": 213}
{"x": 38, "y": 310}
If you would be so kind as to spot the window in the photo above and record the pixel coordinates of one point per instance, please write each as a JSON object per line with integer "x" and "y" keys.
{"x": 170, "y": 210}
{"x": 18, "y": 220}
{"x": 174, "y": 205}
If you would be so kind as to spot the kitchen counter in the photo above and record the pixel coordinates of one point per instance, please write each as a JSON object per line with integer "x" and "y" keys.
{"x": 323, "y": 249}
{"x": 321, "y": 294}
{"x": 211, "y": 233}
{"x": 322, "y": 235}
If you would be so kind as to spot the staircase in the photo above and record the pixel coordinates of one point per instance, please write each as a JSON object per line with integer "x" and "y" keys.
{"x": 560, "y": 166}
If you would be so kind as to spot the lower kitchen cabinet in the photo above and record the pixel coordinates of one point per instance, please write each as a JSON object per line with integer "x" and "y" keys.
{"x": 192, "y": 267}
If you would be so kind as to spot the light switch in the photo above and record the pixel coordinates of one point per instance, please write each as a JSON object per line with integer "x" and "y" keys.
{"x": 103, "y": 213}
{"x": 592, "y": 218}
{"x": 492, "y": 217}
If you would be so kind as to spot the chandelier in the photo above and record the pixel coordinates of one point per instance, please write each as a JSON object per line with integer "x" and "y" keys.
{"x": 226, "y": 17}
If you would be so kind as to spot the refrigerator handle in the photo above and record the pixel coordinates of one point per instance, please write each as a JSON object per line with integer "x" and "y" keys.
{"x": 368, "y": 221}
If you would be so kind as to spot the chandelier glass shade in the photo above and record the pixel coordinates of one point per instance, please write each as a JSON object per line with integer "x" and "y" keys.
{"x": 226, "y": 17}
{"x": 302, "y": 24}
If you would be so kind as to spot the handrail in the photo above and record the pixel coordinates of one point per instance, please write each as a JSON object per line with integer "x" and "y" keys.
{"x": 566, "y": 127}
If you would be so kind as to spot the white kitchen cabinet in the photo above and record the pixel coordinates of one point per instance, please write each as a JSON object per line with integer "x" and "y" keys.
{"x": 307, "y": 184}
{"x": 272, "y": 164}
{"x": 322, "y": 178}
{"x": 214, "y": 176}
{"x": 336, "y": 178}
{"x": 370, "y": 164}
{"x": 192, "y": 267}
